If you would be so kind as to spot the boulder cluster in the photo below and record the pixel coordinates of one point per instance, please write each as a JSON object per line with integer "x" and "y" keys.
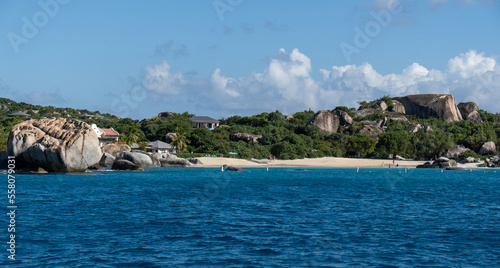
{"x": 70, "y": 145}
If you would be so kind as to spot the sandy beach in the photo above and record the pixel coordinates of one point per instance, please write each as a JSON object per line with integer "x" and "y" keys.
{"x": 317, "y": 162}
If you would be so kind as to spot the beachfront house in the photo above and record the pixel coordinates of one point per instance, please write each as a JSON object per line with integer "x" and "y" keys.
{"x": 204, "y": 122}
{"x": 105, "y": 135}
{"x": 160, "y": 147}
{"x": 110, "y": 136}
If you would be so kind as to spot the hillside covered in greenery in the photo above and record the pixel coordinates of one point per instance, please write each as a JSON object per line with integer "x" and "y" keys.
{"x": 287, "y": 136}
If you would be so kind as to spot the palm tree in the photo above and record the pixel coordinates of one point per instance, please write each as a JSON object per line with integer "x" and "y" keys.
{"x": 131, "y": 136}
{"x": 180, "y": 142}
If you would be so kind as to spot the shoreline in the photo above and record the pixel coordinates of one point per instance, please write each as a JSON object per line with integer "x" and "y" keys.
{"x": 338, "y": 162}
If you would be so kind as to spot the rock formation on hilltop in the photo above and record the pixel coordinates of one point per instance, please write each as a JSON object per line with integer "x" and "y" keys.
{"x": 326, "y": 121}
{"x": 56, "y": 145}
{"x": 166, "y": 114}
{"x": 431, "y": 105}
{"x": 246, "y": 137}
{"x": 468, "y": 110}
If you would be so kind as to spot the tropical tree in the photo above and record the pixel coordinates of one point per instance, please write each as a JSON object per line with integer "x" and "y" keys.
{"x": 180, "y": 142}
{"x": 131, "y": 135}
{"x": 361, "y": 143}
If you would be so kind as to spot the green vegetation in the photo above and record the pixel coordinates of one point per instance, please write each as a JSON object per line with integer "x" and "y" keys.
{"x": 282, "y": 136}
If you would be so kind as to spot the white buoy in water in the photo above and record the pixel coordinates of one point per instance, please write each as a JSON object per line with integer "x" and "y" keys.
{"x": 222, "y": 168}
{"x": 357, "y": 170}
{"x": 267, "y": 168}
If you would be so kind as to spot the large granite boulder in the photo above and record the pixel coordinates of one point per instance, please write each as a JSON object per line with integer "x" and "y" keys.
{"x": 115, "y": 149}
{"x": 169, "y": 137}
{"x": 431, "y": 105}
{"x": 380, "y": 122}
{"x": 174, "y": 161}
{"x": 466, "y": 108}
{"x": 475, "y": 117}
{"x": 246, "y": 137}
{"x": 345, "y": 118}
{"x": 455, "y": 151}
{"x": 123, "y": 164}
{"x": 379, "y": 104}
{"x": 166, "y": 114}
{"x": 194, "y": 161}
{"x": 233, "y": 168}
{"x": 441, "y": 162}
{"x": 56, "y": 145}
{"x": 107, "y": 160}
{"x": 471, "y": 159}
{"x": 400, "y": 119}
{"x": 416, "y": 128}
{"x": 488, "y": 148}
{"x": 139, "y": 158}
{"x": 365, "y": 112}
{"x": 398, "y": 107}
{"x": 326, "y": 121}
{"x": 493, "y": 161}
{"x": 371, "y": 130}
{"x": 469, "y": 111}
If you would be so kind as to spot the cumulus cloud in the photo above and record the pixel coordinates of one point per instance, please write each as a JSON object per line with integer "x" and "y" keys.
{"x": 158, "y": 79}
{"x": 288, "y": 84}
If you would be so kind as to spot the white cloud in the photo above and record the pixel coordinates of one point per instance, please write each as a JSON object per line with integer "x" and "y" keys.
{"x": 470, "y": 64}
{"x": 287, "y": 84}
{"x": 158, "y": 79}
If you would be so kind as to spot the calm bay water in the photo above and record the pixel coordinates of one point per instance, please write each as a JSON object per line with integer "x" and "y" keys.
{"x": 202, "y": 217}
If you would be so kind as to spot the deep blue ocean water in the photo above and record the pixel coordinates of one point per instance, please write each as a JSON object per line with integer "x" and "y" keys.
{"x": 202, "y": 217}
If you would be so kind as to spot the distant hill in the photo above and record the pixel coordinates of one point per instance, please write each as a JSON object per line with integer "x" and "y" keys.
{"x": 8, "y": 106}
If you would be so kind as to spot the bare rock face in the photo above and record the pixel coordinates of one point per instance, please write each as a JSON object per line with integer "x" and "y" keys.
{"x": 455, "y": 152}
{"x": 488, "y": 148}
{"x": 246, "y": 137}
{"x": 398, "y": 107}
{"x": 174, "y": 161}
{"x": 115, "y": 149}
{"x": 379, "y": 104}
{"x": 107, "y": 160}
{"x": 468, "y": 110}
{"x": 345, "y": 118}
{"x": 371, "y": 130}
{"x": 169, "y": 137}
{"x": 326, "y": 121}
{"x": 138, "y": 158}
{"x": 416, "y": 128}
{"x": 431, "y": 105}
{"x": 475, "y": 117}
{"x": 166, "y": 114}
{"x": 123, "y": 164}
{"x": 366, "y": 112}
{"x": 56, "y": 145}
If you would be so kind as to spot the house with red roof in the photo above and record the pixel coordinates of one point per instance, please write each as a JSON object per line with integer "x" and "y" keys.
{"x": 106, "y": 135}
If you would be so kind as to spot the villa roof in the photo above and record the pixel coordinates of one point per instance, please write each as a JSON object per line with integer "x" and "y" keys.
{"x": 160, "y": 145}
{"x": 203, "y": 119}
{"x": 110, "y": 132}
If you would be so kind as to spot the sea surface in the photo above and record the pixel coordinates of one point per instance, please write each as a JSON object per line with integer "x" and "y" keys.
{"x": 284, "y": 217}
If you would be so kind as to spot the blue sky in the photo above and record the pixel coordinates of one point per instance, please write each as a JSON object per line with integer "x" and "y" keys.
{"x": 225, "y": 57}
